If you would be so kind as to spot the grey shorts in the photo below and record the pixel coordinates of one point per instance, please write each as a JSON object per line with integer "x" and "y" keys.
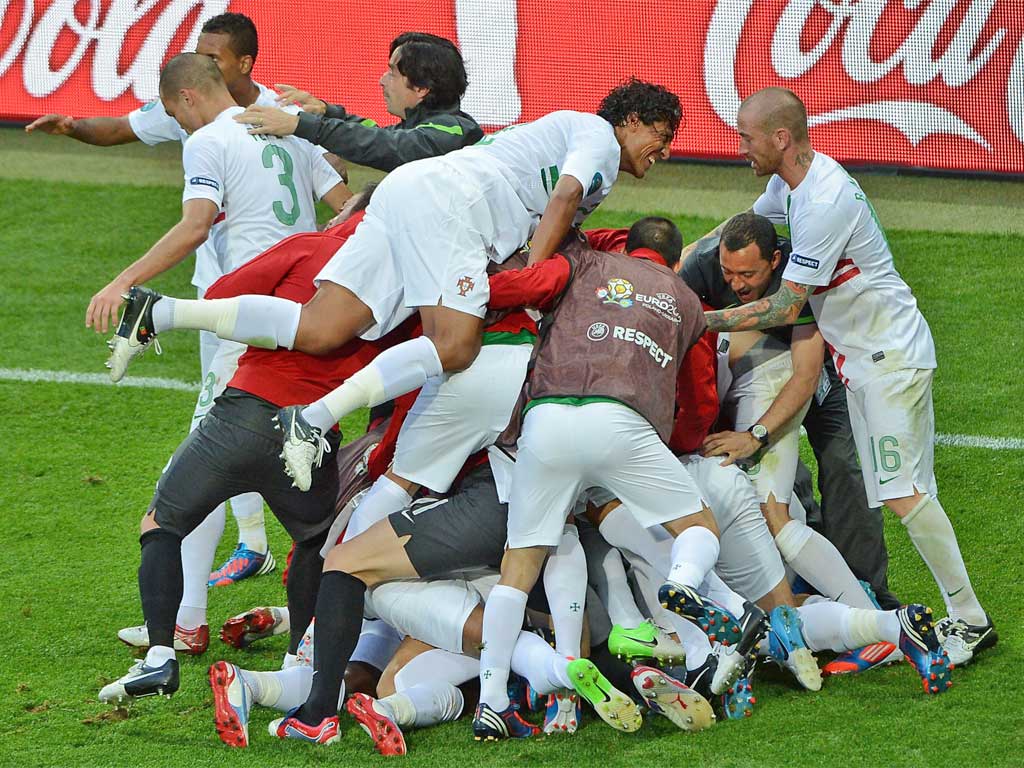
{"x": 237, "y": 450}
{"x": 465, "y": 530}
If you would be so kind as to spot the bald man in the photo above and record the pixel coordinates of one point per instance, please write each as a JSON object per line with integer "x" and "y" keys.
{"x": 264, "y": 190}
{"x": 842, "y": 266}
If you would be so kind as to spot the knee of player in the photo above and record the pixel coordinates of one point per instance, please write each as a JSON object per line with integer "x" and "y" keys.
{"x": 343, "y": 559}
{"x": 455, "y": 350}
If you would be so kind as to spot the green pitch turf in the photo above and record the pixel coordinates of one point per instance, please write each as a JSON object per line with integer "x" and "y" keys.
{"x": 79, "y": 463}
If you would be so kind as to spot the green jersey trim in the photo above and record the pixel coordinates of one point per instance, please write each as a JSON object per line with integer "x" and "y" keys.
{"x": 574, "y": 401}
{"x": 507, "y": 337}
{"x": 454, "y": 130}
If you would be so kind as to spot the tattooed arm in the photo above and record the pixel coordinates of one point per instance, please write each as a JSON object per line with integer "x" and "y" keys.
{"x": 781, "y": 308}
{"x": 703, "y": 243}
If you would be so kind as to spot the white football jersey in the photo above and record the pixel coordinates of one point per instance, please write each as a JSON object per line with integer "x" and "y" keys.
{"x": 265, "y": 186}
{"x": 530, "y": 158}
{"x": 866, "y": 312}
{"x": 153, "y": 125}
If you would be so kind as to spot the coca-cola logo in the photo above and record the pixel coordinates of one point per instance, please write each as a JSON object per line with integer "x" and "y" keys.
{"x": 852, "y": 26}
{"x": 107, "y": 32}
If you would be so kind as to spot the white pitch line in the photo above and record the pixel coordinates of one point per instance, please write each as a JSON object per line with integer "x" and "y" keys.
{"x": 153, "y": 382}
{"x": 68, "y": 377}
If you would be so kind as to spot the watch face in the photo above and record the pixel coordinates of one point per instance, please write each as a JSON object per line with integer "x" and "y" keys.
{"x": 759, "y": 431}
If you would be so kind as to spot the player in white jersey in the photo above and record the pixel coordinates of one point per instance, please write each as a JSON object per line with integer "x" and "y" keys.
{"x": 230, "y": 39}
{"x": 424, "y": 246}
{"x": 264, "y": 189}
{"x": 883, "y": 350}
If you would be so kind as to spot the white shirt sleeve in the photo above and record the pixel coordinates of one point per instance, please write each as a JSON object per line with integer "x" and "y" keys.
{"x": 203, "y": 160}
{"x": 772, "y": 202}
{"x": 819, "y": 235}
{"x": 593, "y": 160}
{"x": 153, "y": 125}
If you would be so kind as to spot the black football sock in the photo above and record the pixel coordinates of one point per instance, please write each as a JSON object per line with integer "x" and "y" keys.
{"x": 304, "y": 573}
{"x": 339, "y": 618}
{"x": 160, "y": 584}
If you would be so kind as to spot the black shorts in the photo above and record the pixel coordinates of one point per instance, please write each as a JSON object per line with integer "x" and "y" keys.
{"x": 466, "y": 530}
{"x": 235, "y": 449}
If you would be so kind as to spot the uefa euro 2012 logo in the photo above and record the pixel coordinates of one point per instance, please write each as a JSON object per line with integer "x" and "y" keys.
{"x": 617, "y": 292}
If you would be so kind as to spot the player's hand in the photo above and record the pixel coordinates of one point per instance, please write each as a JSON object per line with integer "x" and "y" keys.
{"x": 306, "y": 101}
{"x": 268, "y": 120}
{"x": 103, "y": 309}
{"x": 58, "y": 125}
{"x": 733, "y": 445}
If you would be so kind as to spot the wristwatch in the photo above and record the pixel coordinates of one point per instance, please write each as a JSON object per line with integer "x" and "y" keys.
{"x": 760, "y": 431}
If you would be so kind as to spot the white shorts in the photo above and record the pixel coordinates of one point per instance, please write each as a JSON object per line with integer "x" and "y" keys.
{"x": 459, "y": 414}
{"x": 433, "y": 612}
{"x": 425, "y": 240}
{"x": 751, "y": 394}
{"x": 565, "y": 449}
{"x": 219, "y": 361}
{"x": 749, "y": 562}
{"x": 894, "y": 428}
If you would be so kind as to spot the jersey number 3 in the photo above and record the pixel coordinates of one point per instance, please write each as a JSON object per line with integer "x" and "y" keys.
{"x": 288, "y": 218}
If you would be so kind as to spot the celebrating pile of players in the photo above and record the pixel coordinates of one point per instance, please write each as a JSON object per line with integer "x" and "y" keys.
{"x": 580, "y": 490}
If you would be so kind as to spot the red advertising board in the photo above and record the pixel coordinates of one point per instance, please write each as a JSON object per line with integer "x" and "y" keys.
{"x": 923, "y": 83}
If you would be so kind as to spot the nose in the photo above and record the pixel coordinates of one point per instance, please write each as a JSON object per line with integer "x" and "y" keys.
{"x": 383, "y": 77}
{"x": 666, "y": 152}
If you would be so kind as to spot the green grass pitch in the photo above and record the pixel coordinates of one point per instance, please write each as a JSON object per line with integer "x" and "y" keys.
{"x": 79, "y": 463}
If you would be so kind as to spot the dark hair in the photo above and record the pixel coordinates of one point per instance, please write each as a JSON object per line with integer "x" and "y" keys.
{"x": 239, "y": 28}
{"x": 651, "y": 103}
{"x": 364, "y": 196}
{"x": 746, "y": 228}
{"x": 660, "y": 235}
{"x": 433, "y": 62}
{"x": 190, "y": 70}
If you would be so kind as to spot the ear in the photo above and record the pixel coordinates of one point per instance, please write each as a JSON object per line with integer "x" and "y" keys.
{"x": 245, "y": 64}
{"x": 782, "y": 138}
{"x": 632, "y": 120}
{"x": 776, "y": 258}
{"x": 421, "y": 93}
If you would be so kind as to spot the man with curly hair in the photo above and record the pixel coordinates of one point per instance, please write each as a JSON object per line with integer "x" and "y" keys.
{"x": 424, "y": 246}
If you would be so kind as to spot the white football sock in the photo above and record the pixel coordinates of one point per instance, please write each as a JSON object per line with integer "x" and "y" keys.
{"x": 830, "y": 626}
{"x": 538, "y": 662}
{"x": 423, "y": 705}
{"x": 385, "y": 497}
{"x": 694, "y": 554}
{"x": 267, "y": 322}
{"x": 722, "y": 594}
{"x": 565, "y": 584}
{"x": 621, "y": 530}
{"x": 393, "y": 372}
{"x": 615, "y": 592}
{"x": 283, "y": 689}
{"x": 248, "y": 511}
{"x": 933, "y": 536}
{"x": 817, "y": 560}
{"x": 503, "y": 620}
{"x": 158, "y": 655}
{"x": 198, "y": 550}
{"x": 437, "y": 665}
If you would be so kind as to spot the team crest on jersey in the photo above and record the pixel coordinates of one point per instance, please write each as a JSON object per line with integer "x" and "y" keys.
{"x": 465, "y": 285}
{"x": 618, "y": 292}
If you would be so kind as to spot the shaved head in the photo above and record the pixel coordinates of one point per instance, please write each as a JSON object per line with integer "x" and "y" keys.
{"x": 191, "y": 71}
{"x": 775, "y": 108}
